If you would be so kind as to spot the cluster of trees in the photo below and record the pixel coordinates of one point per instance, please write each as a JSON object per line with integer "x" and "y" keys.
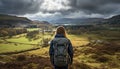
{"x": 11, "y": 31}
{"x": 45, "y": 42}
{"x": 32, "y": 35}
{"x": 78, "y": 29}
{"x": 88, "y": 29}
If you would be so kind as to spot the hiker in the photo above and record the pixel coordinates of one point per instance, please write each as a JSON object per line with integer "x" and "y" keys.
{"x": 61, "y": 50}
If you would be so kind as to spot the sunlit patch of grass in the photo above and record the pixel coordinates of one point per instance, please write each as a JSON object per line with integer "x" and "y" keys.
{"x": 40, "y": 52}
{"x": 78, "y": 40}
{"x": 20, "y": 35}
{"x": 32, "y": 29}
{"x": 23, "y": 40}
{"x": 14, "y": 48}
{"x": 94, "y": 65}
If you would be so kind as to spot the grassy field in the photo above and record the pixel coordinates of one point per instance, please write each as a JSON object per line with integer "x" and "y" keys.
{"x": 32, "y": 29}
{"x": 87, "y": 55}
{"x": 78, "y": 40}
{"x": 4, "y": 48}
{"x": 17, "y": 43}
{"x": 23, "y": 40}
{"x": 20, "y": 43}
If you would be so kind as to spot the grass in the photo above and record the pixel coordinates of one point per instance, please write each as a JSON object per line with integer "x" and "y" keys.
{"x": 40, "y": 52}
{"x": 14, "y": 48}
{"x": 19, "y": 43}
{"x": 32, "y": 29}
{"x": 82, "y": 53}
{"x": 23, "y": 40}
{"x": 78, "y": 40}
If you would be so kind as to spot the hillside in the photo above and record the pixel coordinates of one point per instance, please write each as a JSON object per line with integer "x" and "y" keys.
{"x": 40, "y": 22}
{"x": 13, "y": 20}
{"x": 83, "y": 21}
{"x": 113, "y": 20}
{"x": 77, "y": 20}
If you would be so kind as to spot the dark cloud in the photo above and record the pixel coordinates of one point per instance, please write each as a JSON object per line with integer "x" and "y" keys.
{"x": 96, "y": 6}
{"x": 21, "y": 7}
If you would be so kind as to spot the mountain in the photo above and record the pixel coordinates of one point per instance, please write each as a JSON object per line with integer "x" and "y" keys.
{"x": 83, "y": 21}
{"x": 13, "y": 20}
{"x": 40, "y": 22}
{"x": 77, "y": 20}
{"x": 113, "y": 20}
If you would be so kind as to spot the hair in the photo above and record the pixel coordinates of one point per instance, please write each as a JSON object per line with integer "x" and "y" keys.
{"x": 61, "y": 30}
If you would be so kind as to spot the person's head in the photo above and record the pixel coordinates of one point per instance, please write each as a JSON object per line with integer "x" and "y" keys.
{"x": 61, "y": 30}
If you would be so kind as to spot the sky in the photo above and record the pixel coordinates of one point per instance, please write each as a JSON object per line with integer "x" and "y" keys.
{"x": 56, "y": 9}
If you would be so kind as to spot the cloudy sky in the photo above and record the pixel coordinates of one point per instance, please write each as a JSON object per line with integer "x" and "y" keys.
{"x": 55, "y": 9}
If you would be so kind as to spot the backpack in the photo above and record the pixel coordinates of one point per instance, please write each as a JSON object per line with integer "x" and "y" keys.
{"x": 61, "y": 56}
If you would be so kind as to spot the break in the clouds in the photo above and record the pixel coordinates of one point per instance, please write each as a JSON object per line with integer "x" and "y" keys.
{"x": 46, "y": 9}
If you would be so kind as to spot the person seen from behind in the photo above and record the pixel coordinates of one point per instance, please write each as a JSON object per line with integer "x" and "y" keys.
{"x": 61, "y": 50}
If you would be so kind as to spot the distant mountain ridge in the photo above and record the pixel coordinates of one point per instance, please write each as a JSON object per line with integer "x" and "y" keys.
{"x": 78, "y": 20}
{"x": 17, "y": 21}
{"x": 40, "y": 22}
{"x": 14, "y": 21}
{"x": 112, "y": 20}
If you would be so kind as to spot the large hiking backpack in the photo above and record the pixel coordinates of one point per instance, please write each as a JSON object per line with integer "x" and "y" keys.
{"x": 61, "y": 57}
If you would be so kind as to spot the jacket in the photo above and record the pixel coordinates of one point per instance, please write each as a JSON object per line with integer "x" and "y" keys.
{"x": 51, "y": 50}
